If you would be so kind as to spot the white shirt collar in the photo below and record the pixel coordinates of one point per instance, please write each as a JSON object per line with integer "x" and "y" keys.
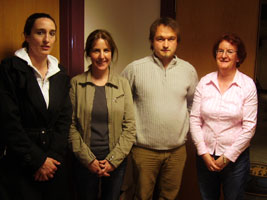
{"x": 52, "y": 62}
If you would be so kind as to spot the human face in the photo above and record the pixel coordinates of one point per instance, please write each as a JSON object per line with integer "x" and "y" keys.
{"x": 101, "y": 55}
{"x": 165, "y": 43}
{"x": 42, "y": 37}
{"x": 226, "y": 56}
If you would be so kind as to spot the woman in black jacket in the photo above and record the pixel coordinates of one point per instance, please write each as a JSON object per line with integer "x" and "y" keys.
{"x": 35, "y": 114}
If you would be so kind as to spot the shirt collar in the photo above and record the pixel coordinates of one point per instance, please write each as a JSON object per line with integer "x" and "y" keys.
{"x": 52, "y": 63}
{"x": 214, "y": 78}
{"x": 171, "y": 64}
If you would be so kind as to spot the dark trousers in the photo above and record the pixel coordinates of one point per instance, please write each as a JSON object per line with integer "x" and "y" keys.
{"x": 91, "y": 187}
{"x": 232, "y": 178}
{"x": 17, "y": 184}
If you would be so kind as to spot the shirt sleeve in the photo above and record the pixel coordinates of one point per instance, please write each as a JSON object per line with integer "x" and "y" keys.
{"x": 250, "y": 106}
{"x": 196, "y": 122}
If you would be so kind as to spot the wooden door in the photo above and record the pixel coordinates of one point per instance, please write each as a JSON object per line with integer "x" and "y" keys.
{"x": 201, "y": 23}
{"x": 13, "y": 15}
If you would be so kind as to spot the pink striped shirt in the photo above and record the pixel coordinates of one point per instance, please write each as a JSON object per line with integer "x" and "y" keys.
{"x": 224, "y": 123}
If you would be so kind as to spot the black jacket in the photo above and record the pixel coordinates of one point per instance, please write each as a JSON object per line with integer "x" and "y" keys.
{"x": 29, "y": 131}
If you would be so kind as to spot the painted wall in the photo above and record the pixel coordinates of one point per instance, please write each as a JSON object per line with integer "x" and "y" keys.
{"x": 128, "y": 22}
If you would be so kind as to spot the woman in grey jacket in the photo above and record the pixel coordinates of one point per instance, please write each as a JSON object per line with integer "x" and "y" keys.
{"x": 103, "y": 126}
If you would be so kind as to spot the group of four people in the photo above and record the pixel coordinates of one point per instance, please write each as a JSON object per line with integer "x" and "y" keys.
{"x": 103, "y": 117}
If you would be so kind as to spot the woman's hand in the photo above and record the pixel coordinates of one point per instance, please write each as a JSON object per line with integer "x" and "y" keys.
{"x": 47, "y": 170}
{"x": 106, "y": 167}
{"x": 210, "y": 163}
{"x": 101, "y": 168}
{"x": 220, "y": 162}
{"x": 94, "y": 167}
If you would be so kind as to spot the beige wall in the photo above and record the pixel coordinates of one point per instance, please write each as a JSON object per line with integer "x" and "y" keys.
{"x": 13, "y": 14}
{"x": 127, "y": 21}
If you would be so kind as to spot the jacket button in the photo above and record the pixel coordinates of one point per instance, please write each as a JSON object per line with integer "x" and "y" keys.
{"x": 27, "y": 158}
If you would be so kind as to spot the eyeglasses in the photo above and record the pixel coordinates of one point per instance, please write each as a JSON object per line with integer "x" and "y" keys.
{"x": 229, "y": 52}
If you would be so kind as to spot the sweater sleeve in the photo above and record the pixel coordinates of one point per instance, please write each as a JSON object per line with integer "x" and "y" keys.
{"x": 129, "y": 75}
{"x": 191, "y": 89}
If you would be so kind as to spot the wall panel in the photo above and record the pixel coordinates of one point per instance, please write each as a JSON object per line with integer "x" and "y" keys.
{"x": 203, "y": 21}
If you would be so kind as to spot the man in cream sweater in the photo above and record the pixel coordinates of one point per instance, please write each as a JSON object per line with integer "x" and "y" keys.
{"x": 163, "y": 86}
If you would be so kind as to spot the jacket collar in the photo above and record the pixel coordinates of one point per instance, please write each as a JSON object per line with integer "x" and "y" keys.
{"x": 56, "y": 80}
{"x": 113, "y": 82}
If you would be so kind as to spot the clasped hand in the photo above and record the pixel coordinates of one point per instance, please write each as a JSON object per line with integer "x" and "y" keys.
{"x": 47, "y": 170}
{"x": 214, "y": 165}
{"x": 101, "y": 167}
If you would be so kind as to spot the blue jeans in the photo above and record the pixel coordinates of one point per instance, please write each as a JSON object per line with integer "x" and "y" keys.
{"x": 89, "y": 186}
{"x": 233, "y": 179}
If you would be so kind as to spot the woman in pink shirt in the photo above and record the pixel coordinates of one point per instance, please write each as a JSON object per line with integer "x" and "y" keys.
{"x": 223, "y": 121}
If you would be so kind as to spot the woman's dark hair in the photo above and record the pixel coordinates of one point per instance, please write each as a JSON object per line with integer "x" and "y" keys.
{"x": 166, "y": 21}
{"x": 100, "y": 34}
{"x": 30, "y": 22}
{"x": 234, "y": 40}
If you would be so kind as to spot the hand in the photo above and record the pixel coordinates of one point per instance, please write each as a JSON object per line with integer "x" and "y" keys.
{"x": 106, "y": 167}
{"x": 47, "y": 170}
{"x": 94, "y": 167}
{"x": 210, "y": 163}
{"x": 219, "y": 162}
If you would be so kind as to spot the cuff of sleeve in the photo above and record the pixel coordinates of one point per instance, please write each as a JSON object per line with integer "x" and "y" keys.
{"x": 85, "y": 159}
{"x": 33, "y": 161}
{"x": 232, "y": 156}
{"x": 113, "y": 160}
{"x": 201, "y": 148}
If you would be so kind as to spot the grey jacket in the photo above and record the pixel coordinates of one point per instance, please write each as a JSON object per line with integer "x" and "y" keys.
{"x": 121, "y": 123}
